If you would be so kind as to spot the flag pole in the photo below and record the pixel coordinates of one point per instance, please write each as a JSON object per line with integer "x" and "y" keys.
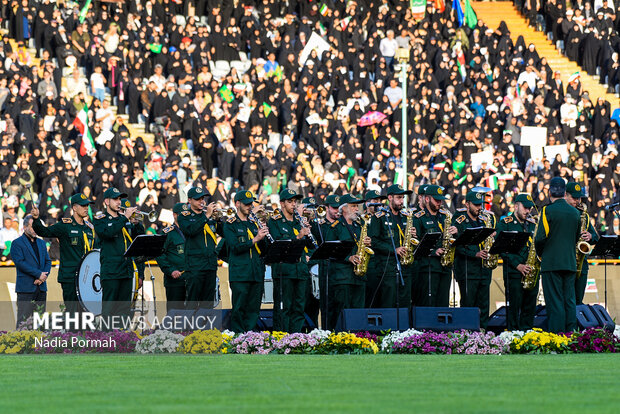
{"x": 404, "y": 155}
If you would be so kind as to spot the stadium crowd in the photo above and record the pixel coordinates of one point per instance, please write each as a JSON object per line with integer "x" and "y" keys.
{"x": 235, "y": 99}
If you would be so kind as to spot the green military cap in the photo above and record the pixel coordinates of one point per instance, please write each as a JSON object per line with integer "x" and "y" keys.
{"x": 113, "y": 192}
{"x": 245, "y": 197}
{"x": 435, "y": 191}
{"x": 397, "y": 189}
{"x": 80, "y": 199}
{"x": 557, "y": 187}
{"x": 575, "y": 190}
{"x": 287, "y": 194}
{"x": 179, "y": 208}
{"x": 372, "y": 194}
{"x": 125, "y": 203}
{"x": 422, "y": 189}
{"x": 332, "y": 201}
{"x": 196, "y": 193}
{"x": 525, "y": 199}
{"x": 349, "y": 199}
{"x": 475, "y": 197}
{"x": 310, "y": 201}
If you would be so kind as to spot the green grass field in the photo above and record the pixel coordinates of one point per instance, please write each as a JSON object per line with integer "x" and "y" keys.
{"x": 316, "y": 384}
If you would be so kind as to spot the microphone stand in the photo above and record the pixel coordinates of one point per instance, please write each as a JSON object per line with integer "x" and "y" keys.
{"x": 399, "y": 270}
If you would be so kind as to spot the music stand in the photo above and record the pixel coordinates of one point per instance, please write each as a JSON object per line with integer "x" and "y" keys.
{"x": 143, "y": 247}
{"x": 471, "y": 237}
{"x": 606, "y": 246}
{"x": 331, "y": 250}
{"x": 509, "y": 242}
{"x": 425, "y": 249}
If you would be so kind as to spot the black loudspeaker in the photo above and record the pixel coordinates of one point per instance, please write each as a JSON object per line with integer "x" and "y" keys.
{"x": 585, "y": 317}
{"x": 372, "y": 320}
{"x": 498, "y": 322}
{"x": 192, "y": 320}
{"x": 603, "y": 317}
{"x": 446, "y": 319}
{"x": 265, "y": 321}
{"x": 540, "y": 318}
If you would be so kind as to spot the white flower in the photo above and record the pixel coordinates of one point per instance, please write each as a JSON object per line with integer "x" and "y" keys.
{"x": 508, "y": 336}
{"x": 320, "y": 334}
{"x": 617, "y": 332}
{"x": 397, "y": 336}
{"x": 160, "y": 341}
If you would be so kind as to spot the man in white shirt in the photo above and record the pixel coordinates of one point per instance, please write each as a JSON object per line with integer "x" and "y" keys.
{"x": 530, "y": 76}
{"x": 158, "y": 78}
{"x": 394, "y": 93}
{"x": 105, "y": 116}
{"x": 388, "y": 46}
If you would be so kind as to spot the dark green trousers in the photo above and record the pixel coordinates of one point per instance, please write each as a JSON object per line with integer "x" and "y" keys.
{"x": 373, "y": 293}
{"x": 313, "y": 305}
{"x": 344, "y": 297}
{"x": 175, "y": 297}
{"x": 559, "y": 290}
{"x": 246, "y": 301}
{"x": 432, "y": 289}
{"x": 200, "y": 288}
{"x": 521, "y": 305}
{"x": 388, "y": 289}
{"x": 70, "y": 297}
{"x": 580, "y": 285}
{"x": 289, "y": 305}
{"x": 116, "y": 300}
{"x": 475, "y": 294}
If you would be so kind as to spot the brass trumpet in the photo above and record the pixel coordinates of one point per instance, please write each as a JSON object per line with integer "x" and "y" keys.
{"x": 151, "y": 215}
{"x": 222, "y": 213}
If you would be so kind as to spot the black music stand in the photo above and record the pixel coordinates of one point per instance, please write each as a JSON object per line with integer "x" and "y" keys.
{"x": 425, "y": 249}
{"x": 509, "y": 242}
{"x": 607, "y": 246}
{"x": 472, "y": 237}
{"x": 331, "y": 250}
{"x": 143, "y": 247}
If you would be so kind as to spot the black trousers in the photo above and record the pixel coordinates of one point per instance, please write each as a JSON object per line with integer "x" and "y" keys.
{"x": 116, "y": 300}
{"x": 175, "y": 297}
{"x": 200, "y": 286}
{"x": 70, "y": 298}
{"x": 28, "y": 303}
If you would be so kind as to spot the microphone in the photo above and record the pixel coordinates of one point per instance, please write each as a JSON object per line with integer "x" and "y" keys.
{"x": 612, "y": 206}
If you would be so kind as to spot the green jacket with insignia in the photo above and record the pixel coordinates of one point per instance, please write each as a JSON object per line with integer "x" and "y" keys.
{"x": 113, "y": 243}
{"x": 465, "y": 260}
{"x": 512, "y": 260}
{"x": 173, "y": 257}
{"x": 245, "y": 263}
{"x": 424, "y": 222}
{"x": 200, "y": 243}
{"x": 557, "y": 237}
{"x": 341, "y": 272}
{"x": 378, "y": 231}
{"x": 75, "y": 241}
{"x": 282, "y": 229}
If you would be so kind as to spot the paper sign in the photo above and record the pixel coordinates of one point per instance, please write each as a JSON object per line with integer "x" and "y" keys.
{"x": 479, "y": 157}
{"x": 315, "y": 42}
{"x": 534, "y": 136}
{"x": 552, "y": 150}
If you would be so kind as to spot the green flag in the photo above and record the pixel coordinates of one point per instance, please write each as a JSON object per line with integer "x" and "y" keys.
{"x": 266, "y": 109}
{"x": 226, "y": 94}
{"x": 471, "y": 19}
{"x": 84, "y": 11}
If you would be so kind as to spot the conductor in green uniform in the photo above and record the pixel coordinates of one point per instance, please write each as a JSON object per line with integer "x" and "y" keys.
{"x": 555, "y": 240}
{"x": 172, "y": 261}
{"x": 290, "y": 278}
{"x": 473, "y": 278}
{"x": 76, "y": 237}
{"x": 116, "y": 232}
{"x": 200, "y": 254}
{"x": 575, "y": 196}
{"x": 520, "y": 302}
{"x": 246, "y": 243}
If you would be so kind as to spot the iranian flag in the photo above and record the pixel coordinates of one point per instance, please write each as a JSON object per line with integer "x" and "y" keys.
{"x": 491, "y": 182}
{"x": 81, "y": 123}
{"x": 84, "y": 11}
{"x": 460, "y": 61}
{"x": 418, "y": 8}
{"x": 440, "y": 5}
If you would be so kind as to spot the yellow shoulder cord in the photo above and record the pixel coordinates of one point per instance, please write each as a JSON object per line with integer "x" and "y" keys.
{"x": 545, "y": 222}
{"x": 251, "y": 236}
{"x": 296, "y": 233}
{"x": 126, "y": 237}
{"x": 207, "y": 230}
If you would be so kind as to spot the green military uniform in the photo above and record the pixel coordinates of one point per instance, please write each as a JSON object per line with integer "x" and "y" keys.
{"x": 415, "y": 272}
{"x": 555, "y": 240}
{"x": 115, "y": 235}
{"x": 290, "y": 279}
{"x": 581, "y": 280}
{"x": 379, "y": 232}
{"x": 432, "y": 287}
{"x": 373, "y": 276}
{"x": 75, "y": 241}
{"x": 246, "y": 270}
{"x": 473, "y": 278}
{"x": 200, "y": 254}
{"x": 520, "y": 302}
{"x": 313, "y": 304}
{"x": 347, "y": 290}
{"x": 173, "y": 259}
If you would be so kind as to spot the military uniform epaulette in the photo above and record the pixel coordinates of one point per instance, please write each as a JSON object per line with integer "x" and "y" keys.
{"x": 277, "y": 216}
{"x": 419, "y": 214}
{"x": 168, "y": 229}
{"x": 67, "y": 220}
{"x": 507, "y": 219}
{"x": 379, "y": 214}
{"x": 89, "y": 224}
{"x": 231, "y": 220}
{"x": 461, "y": 209}
{"x": 335, "y": 223}
{"x": 460, "y": 217}
{"x": 186, "y": 213}
{"x": 99, "y": 215}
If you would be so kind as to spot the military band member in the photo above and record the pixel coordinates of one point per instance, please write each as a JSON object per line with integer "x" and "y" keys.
{"x": 76, "y": 237}
{"x": 520, "y": 302}
{"x": 246, "y": 271}
{"x": 172, "y": 261}
{"x": 415, "y": 277}
{"x": 290, "y": 279}
{"x": 116, "y": 232}
{"x": 576, "y": 197}
{"x": 372, "y": 276}
{"x": 313, "y": 304}
{"x": 473, "y": 278}
{"x": 200, "y": 231}
{"x": 434, "y": 280}
{"x": 347, "y": 290}
{"x": 556, "y": 238}
{"x": 379, "y": 232}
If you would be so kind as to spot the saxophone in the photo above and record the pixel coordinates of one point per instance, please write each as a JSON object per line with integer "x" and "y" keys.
{"x": 447, "y": 259}
{"x": 583, "y": 247}
{"x": 533, "y": 261}
{"x": 410, "y": 242}
{"x": 492, "y": 261}
{"x": 364, "y": 252}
